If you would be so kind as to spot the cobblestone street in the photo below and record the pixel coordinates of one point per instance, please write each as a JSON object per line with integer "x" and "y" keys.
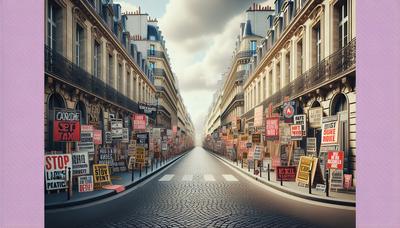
{"x": 199, "y": 191}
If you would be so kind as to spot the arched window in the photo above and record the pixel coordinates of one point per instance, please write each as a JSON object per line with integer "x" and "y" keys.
{"x": 55, "y": 101}
{"x": 315, "y": 104}
{"x": 81, "y": 107}
{"x": 339, "y": 104}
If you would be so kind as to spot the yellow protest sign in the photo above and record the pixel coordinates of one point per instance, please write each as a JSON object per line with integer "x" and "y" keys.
{"x": 101, "y": 175}
{"x": 306, "y": 165}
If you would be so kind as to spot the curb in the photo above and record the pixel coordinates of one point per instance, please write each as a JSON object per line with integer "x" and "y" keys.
{"x": 111, "y": 193}
{"x": 287, "y": 191}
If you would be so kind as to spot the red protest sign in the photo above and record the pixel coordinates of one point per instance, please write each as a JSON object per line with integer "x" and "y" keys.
{"x": 66, "y": 131}
{"x": 56, "y": 168}
{"x": 272, "y": 128}
{"x": 296, "y": 132}
{"x": 139, "y": 122}
{"x": 335, "y": 160}
{"x": 97, "y": 137}
{"x": 286, "y": 173}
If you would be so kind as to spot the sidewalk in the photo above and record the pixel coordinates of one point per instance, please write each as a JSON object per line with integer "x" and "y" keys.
{"x": 346, "y": 198}
{"x": 53, "y": 201}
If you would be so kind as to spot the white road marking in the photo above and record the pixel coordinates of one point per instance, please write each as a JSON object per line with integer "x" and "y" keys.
{"x": 209, "y": 177}
{"x": 187, "y": 178}
{"x": 167, "y": 177}
{"x": 229, "y": 177}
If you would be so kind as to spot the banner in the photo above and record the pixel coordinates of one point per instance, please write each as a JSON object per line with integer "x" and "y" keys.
{"x": 315, "y": 117}
{"x": 296, "y": 132}
{"x": 335, "y": 160}
{"x": 142, "y": 139}
{"x": 272, "y": 128}
{"x": 80, "y": 163}
{"x": 286, "y": 173}
{"x": 139, "y": 122}
{"x": 116, "y": 129}
{"x": 97, "y": 137}
{"x": 101, "y": 174}
{"x": 86, "y": 142}
{"x": 258, "y": 116}
{"x": 301, "y": 120}
{"x": 85, "y": 183}
{"x": 66, "y": 125}
{"x": 56, "y": 169}
{"x": 329, "y": 132}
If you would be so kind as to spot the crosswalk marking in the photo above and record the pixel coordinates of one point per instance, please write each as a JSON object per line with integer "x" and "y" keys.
{"x": 209, "y": 177}
{"x": 229, "y": 177}
{"x": 187, "y": 178}
{"x": 167, "y": 177}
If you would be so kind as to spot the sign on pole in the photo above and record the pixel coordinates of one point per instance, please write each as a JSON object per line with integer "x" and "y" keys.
{"x": 125, "y": 135}
{"x": 311, "y": 146}
{"x": 142, "y": 139}
{"x": 257, "y": 152}
{"x": 306, "y": 165}
{"x": 101, "y": 174}
{"x": 86, "y": 143}
{"x": 116, "y": 129}
{"x": 56, "y": 168}
{"x": 66, "y": 125}
{"x": 108, "y": 137}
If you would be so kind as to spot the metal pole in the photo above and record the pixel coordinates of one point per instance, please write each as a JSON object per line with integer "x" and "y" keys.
{"x": 152, "y": 165}
{"x": 242, "y": 163}
{"x": 309, "y": 181}
{"x": 327, "y": 184}
{"x": 147, "y": 165}
{"x": 260, "y": 168}
{"x": 133, "y": 174}
{"x": 248, "y": 165}
{"x": 140, "y": 170}
{"x": 254, "y": 167}
{"x": 69, "y": 183}
{"x": 268, "y": 173}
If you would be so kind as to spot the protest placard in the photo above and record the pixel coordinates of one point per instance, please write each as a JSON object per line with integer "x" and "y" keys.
{"x": 335, "y": 160}
{"x": 85, "y": 183}
{"x": 101, "y": 175}
{"x": 296, "y": 132}
{"x": 336, "y": 179}
{"x": 142, "y": 139}
{"x": 257, "y": 152}
{"x": 106, "y": 156}
{"x": 301, "y": 120}
{"x": 116, "y": 129}
{"x": 258, "y": 116}
{"x": 97, "y": 137}
{"x": 131, "y": 163}
{"x": 139, "y": 122}
{"x": 80, "y": 163}
{"x": 315, "y": 117}
{"x": 125, "y": 135}
{"x": 272, "y": 128}
{"x": 56, "y": 170}
{"x": 108, "y": 137}
{"x": 286, "y": 173}
{"x": 306, "y": 165}
{"x": 329, "y": 132}
{"x": 66, "y": 125}
{"x": 311, "y": 146}
{"x": 86, "y": 143}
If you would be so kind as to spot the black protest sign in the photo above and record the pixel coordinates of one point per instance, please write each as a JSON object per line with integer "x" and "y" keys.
{"x": 142, "y": 139}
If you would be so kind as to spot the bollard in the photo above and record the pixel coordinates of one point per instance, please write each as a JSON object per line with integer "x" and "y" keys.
{"x": 281, "y": 180}
{"x": 248, "y": 166}
{"x": 146, "y": 167}
{"x": 327, "y": 184}
{"x": 260, "y": 170}
{"x": 152, "y": 165}
{"x": 140, "y": 171}
{"x": 69, "y": 183}
{"x": 309, "y": 181}
{"x": 242, "y": 163}
{"x": 133, "y": 174}
{"x": 268, "y": 172}
{"x": 254, "y": 167}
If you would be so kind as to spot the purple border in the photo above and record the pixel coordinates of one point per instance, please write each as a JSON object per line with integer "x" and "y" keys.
{"x": 21, "y": 110}
{"x": 378, "y": 108}
{"x": 21, "y": 154}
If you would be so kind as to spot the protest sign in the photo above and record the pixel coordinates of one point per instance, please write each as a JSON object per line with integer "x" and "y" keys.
{"x": 296, "y": 132}
{"x": 125, "y": 135}
{"x": 66, "y": 125}
{"x": 298, "y": 152}
{"x": 131, "y": 163}
{"x": 101, "y": 174}
{"x": 286, "y": 173}
{"x": 335, "y": 160}
{"x": 336, "y": 179}
{"x": 301, "y": 120}
{"x": 284, "y": 133}
{"x": 289, "y": 109}
{"x": 97, "y": 137}
{"x": 142, "y": 139}
{"x": 306, "y": 165}
{"x": 257, "y": 153}
{"x": 311, "y": 146}
{"x": 85, "y": 183}
{"x": 139, "y": 122}
{"x": 80, "y": 163}
{"x": 116, "y": 129}
{"x": 329, "y": 132}
{"x": 272, "y": 128}
{"x": 347, "y": 181}
{"x": 106, "y": 156}
{"x": 108, "y": 137}
{"x": 56, "y": 170}
{"x": 86, "y": 143}
{"x": 132, "y": 149}
{"x": 258, "y": 116}
{"x": 156, "y": 133}
{"x": 140, "y": 156}
{"x": 315, "y": 117}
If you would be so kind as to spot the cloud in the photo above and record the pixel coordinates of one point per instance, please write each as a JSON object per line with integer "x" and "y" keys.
{"x": 126, "y": 6}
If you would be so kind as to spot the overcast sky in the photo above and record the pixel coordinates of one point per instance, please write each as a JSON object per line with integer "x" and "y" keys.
{"x": 200, "y": 37}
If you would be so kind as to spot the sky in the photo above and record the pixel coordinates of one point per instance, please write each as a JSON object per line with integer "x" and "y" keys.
{"x": 200, "y": 38}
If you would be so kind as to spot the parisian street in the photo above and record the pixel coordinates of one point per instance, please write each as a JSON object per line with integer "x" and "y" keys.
{"x": 199, "y": 190}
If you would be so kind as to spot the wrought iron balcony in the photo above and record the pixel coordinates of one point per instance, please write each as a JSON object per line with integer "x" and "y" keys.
{"x": 159, "y": 72}
{"x": 241, "y": 75}
{"x": 62, "y": 69}
{"x": 157, "y": 54}
{"x": 245, "y": 54}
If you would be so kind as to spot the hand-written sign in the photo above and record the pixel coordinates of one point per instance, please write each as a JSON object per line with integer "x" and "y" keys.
{"x": 272, "y": 128}
{"x": 306, "y": 165}
{"x": 56, "y": 168}
{"x": 85, "y": 183}
{"x": 80, "y": 163}
{"x": 335, "y": 160}
{"x": 301, "y": 120}
{"x": 286, "y": 173}
{"x": 329, "y": 132}
{"x": 295, "y": 132}
{"x": 66, "y": 125}
{"x": 101, "y": 174}
{"x": 86, "y": 142}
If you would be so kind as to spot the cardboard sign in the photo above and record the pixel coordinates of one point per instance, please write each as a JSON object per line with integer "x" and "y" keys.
{"x": 139, "y": 122}
{"x": 56, "y": 170}
{"x": 301, "y": 120}
{"x": 85, "y": 183}
{"x": 315, "y": 117}
{"x": 97, "y": 137}
{"x": 125, "y": 135}
{"x": 257, "y": 152}
{"x": 86, "y": 143}
{"x": 106, "y": 156}
{"x": 116, "y": 129}
{"x": 295, "y": 132}
{"x": 306, "y": 165}
{"x": 101, "y": 174}
{"x": 66, "y": 125}
{"x": 330, "y": 132}
{"x": 335, "y": 160}
{"x": 142, "y": 139}
{"x": 256, "y": 138}
{"x": 80, "y": 163}
{"x": 286, "y": 173}
{"x": 311, "y": 146}
{"x": 108, "y": 136}
{"x": 272, "y": 128}
{"x": 336, "y": 179}
{"x": 258, "y": 116}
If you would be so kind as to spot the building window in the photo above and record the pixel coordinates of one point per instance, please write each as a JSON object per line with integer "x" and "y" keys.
{"x": 152, "y": 66}
{"x": 278, "y": 77}
{"x": 120, "y": 78}
{"x": 287, "y": 72}
{"x": 264, "y": 89}
{"x": 253, "y": 46}
{"x": 110, "y": 74}
{"x": 299, "y": 57}
{"x": 259, "y": 92}
{"x": 343, "y": 24}
{"x": 270, "y": 83}
{"x": 317, "y": 42}
{"x": 128, "y": 84}
{"x": 96, "y": 59}
{"x": 54, "y": 22}
{"x": 81, "y": 107}
{"x": 152, "y": 49}
{"x": 79, "y": 46}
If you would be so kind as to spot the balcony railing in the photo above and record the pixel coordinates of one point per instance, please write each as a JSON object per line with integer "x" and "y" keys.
{"x": 326, "y": 70}
{"x": 245, "y": 54}
{"x": 65, "y": 70}
{"x": 159, "y": 72}
{"x": 157, "y": 54}
{"x": 241, "y": 75}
